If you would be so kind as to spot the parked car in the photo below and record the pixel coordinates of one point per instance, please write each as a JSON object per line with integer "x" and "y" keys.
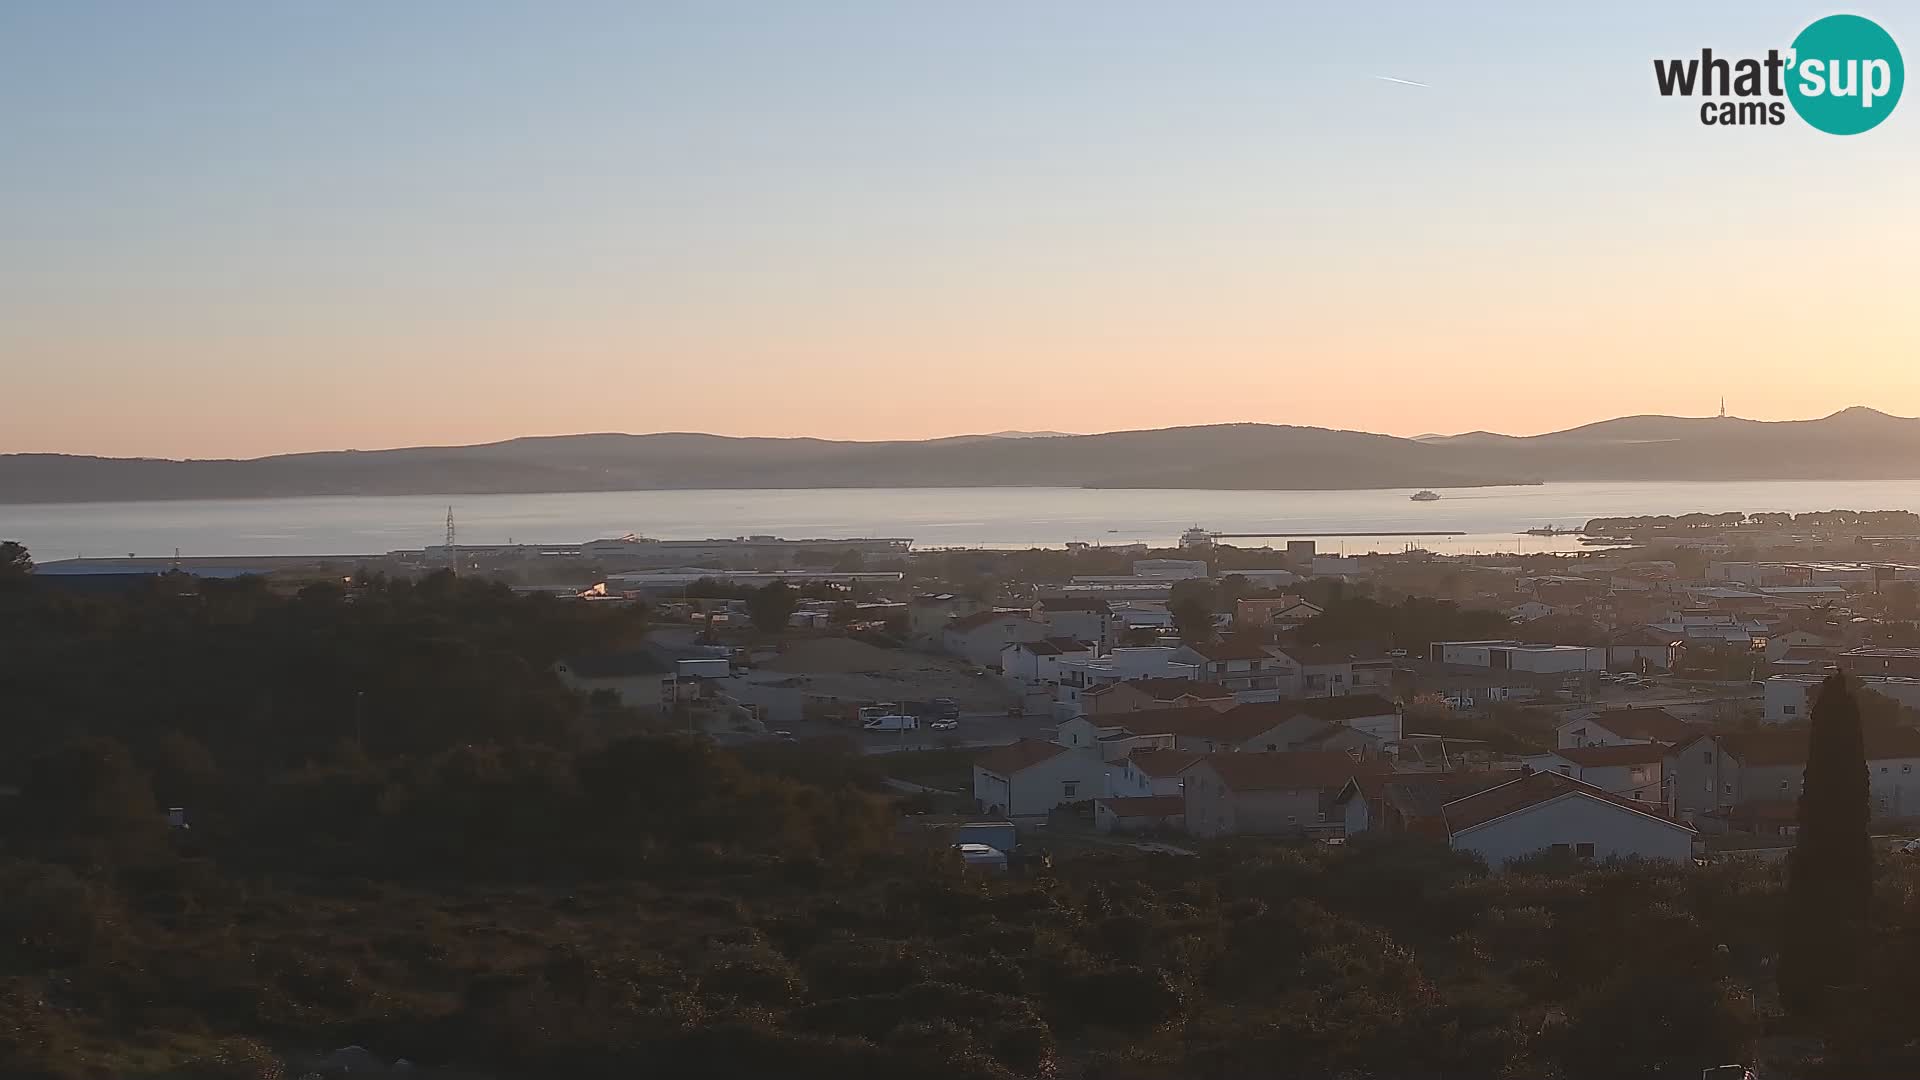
{"x": 944, "y": 724}
{"x": 946, "y": 708}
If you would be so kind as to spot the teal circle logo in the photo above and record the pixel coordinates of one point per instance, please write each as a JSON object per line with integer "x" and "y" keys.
{"x": 1846, "y": 74}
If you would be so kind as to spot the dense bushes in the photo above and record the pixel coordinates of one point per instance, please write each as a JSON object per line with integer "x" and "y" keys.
{"x": 471, "y": 884}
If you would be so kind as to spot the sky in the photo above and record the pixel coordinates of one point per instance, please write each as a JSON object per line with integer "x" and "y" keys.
{"x": 238, "y": 228}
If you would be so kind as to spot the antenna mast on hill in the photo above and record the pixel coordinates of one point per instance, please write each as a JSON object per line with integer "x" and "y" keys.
{"x": 1723, "y": 406}
{"x": 453, "y": 553}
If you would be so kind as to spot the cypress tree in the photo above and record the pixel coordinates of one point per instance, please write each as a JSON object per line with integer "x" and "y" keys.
{"x": 1830, "y": 874}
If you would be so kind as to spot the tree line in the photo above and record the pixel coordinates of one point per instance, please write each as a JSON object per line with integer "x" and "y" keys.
{"x": 400, "y": 836}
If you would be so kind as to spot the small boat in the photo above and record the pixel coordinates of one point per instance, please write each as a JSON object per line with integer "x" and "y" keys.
{"x": 1548, "y": 530}
{"x": 1426, "y": 496}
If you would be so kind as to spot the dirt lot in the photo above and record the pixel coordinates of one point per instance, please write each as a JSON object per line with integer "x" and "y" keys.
{"x": 855, "y": 671}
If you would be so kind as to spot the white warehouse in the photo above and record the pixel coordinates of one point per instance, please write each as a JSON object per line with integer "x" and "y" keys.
{"x": 1520, "y": 656}
{"x": 1789, "y": 698}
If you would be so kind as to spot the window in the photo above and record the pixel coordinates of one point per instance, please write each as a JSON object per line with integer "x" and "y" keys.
{"x": 1783, "y": 785}
{"x": 1566, "y": 770}
{"x": 1727, "y": 790}
{"x": 1271, "y": 747}
{"x": 1706, "y": 757}
{"x": 1068, "y": 787}
{"x": 1789, "y": 710}
{"x": 1584, "y": 851}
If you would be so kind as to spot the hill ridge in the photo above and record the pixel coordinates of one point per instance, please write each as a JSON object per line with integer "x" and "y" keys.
{"x": 1852, "y": 443}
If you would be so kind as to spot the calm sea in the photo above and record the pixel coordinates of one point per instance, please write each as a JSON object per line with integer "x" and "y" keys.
{"x": 1491, "y": 518}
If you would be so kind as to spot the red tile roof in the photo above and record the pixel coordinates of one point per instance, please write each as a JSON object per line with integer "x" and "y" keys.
{"x": 1024, "y": 754}
{"x": 1053, "y": 646}
{"x": 1656, "y": 724}
{"x": 1146, "y": 806}
{"x": 1600, "y": 757}
{"x": 1423, "y": 794}
{"x": 1231, "y": 650}
{"x": 1198, "y": 722}
{"x": 1318, "y": 656}
{"x": 1170, "y": 689}
{"x": 1348, "y": 707}
{"x": 1291, "y": 770}
{"x": 981, "y": 618}
{"x": 1165, "y": 762}
{"x": 1531, "y": 790}
{"x": 1790, "y": 747}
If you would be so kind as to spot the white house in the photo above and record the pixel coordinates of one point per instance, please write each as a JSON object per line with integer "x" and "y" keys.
{"x": 1152, "y": 772}
{"x": 1030, "y": 778}
{"x": 1790, "y": 698}
{"x": 1249, "y": 669}
{"x": 1079, "y": 618}
{"x": 981, "y": 636}
{"x": 1782, "y": 638}
{"x": 1322, "y": 672}
{"x": 1720, "y": 772}
{"x": 1529, "y": 610}
{"x": 1078, "y": 674}
{"x": 1545, "y": 811}
{"x": 1642, "y": 648}
{"x": 1085, "y": 732}
{"x": 1370, "y": 714}
{"x": 1633, "y": 771}
{"x": 1038, "y": 662}
{"x": 1283, "y": 793}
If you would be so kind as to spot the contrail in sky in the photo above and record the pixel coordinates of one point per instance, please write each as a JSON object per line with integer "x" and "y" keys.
{"x": 1402, "y": 82}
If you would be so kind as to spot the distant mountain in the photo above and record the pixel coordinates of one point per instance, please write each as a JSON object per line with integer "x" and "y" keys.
{"x": 1853, "y": 444}
{"x": 1856, "y": 443}
{"x": 1030, "y": 435}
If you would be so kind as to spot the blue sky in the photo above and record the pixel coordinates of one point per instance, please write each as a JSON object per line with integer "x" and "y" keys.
{"x": 241, "y": 228}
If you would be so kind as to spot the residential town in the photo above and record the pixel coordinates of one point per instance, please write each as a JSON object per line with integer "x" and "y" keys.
{"x": 1042, "y": 722}
{"x": 1648, "y": 699}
